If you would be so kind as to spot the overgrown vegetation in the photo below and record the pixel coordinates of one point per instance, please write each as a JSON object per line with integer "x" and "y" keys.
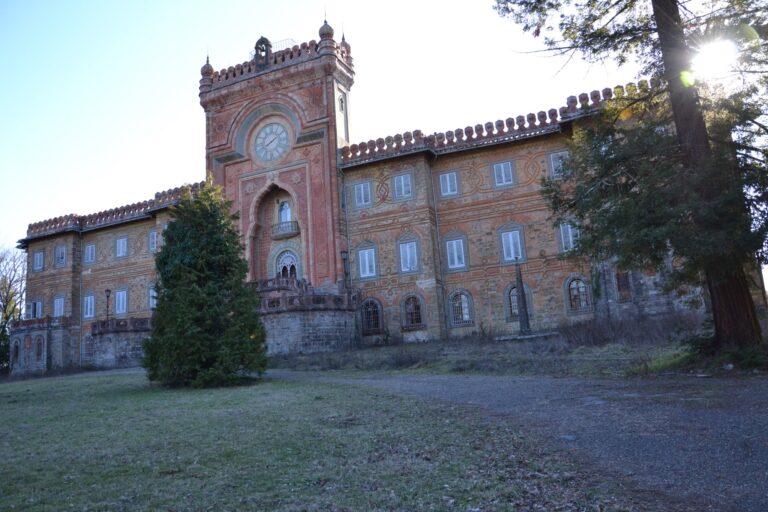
{"x": 205, "y": 329}
{"x": 553, "y": 356}
{"x": 111, "y": 441}
{"x": 13, "y": 274}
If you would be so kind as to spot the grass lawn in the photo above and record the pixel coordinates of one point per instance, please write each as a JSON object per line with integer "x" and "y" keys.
{"x": 111, "y": 441}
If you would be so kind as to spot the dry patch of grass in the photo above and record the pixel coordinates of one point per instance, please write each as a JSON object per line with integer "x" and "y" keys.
{"x": 110, "y": 441}
{"x": 551, "y": 357}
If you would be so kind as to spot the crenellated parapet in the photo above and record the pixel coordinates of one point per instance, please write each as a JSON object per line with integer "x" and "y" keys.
{"x": 271, "y": 61}
{"x": 79, "y": 223}
{"x": 490, "y": 133}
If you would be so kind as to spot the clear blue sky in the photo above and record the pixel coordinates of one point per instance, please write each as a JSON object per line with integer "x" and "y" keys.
{"x": 99, "y": 102}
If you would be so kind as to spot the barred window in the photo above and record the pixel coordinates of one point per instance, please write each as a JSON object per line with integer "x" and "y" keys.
{"x": 39, "y": 348}
{"x": 412, "y": 312}
{"x": 578, "y": 296}
{"x": 623, "y": 288}
{"x": 513, "y": 303}
{"x": 514, "y": 310}
{"x": 461, "y": 309}
{"x": 371, "y": 317}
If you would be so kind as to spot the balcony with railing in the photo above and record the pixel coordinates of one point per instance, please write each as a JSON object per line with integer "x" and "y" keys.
{"x": 285, "y": 229}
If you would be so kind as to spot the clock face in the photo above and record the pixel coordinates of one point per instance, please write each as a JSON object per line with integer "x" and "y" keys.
{"x": 271, "y": 142}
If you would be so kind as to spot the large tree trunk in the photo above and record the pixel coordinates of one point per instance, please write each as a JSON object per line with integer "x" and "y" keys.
{"x": 733, "y": 309}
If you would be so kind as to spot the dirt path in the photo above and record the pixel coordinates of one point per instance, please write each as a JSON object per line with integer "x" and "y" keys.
{"x": 698, "y": 439}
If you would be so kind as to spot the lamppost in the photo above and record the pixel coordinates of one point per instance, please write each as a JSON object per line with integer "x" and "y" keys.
{"x": 107, "y": 293}
{"x": 522, "y": 304}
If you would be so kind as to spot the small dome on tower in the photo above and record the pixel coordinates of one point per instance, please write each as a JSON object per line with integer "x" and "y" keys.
{"x": 207, "y": 69}
{"x": 326, "y": 31}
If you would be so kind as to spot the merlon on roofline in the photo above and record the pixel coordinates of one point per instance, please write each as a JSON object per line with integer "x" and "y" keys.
{"x": 80, "y": 223}
{"x": 298, "y": 53}
{"x": 521, "y": 127}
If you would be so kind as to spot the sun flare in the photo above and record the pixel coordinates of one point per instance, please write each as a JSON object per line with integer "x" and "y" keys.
{"x": 715, "y": 62}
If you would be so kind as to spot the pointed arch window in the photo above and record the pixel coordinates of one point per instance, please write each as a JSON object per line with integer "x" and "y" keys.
{"x": 287, "y": 265}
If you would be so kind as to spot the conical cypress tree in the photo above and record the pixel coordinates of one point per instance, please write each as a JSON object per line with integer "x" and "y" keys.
{"x": 205, "y": 329}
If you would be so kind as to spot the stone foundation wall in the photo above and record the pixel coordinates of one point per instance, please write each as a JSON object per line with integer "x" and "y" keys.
{"x": 114, "y": 350}
{"x": 297, "y": 332}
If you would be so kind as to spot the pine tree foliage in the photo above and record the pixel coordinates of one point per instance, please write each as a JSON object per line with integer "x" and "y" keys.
{"x": 205, "y": 328}
{"x": 676, "y": 172}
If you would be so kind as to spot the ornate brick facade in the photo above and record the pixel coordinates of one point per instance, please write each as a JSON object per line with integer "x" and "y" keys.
{"x": 408, "y": 237}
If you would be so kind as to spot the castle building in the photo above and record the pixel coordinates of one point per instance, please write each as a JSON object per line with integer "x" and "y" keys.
{"x": 406, "y": 238}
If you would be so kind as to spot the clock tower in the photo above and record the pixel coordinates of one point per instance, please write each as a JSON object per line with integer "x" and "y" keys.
{"x": 273, "y": 125}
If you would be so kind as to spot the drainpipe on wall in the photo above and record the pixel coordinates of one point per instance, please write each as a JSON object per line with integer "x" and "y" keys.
{"x": 440, "y": 269}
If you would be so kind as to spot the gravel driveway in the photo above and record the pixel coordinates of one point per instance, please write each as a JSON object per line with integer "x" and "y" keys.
{"x": 701, "y": 440}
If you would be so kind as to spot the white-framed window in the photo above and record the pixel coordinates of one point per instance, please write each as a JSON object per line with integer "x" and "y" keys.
{"x": 152, "y": 297}
{"x": 152, "y": 240}
{"x": 455, "y": 251}
{"x": 89, "y": 306}
{"x": 409, "y": 256}
{"x": 363, "y": 194}
{"x": 449, "y": 184}
{"x": 367, "y": 261}
{"x": 402, "y": 186}
{"x": 284, "y": 212}
{"x": 89, "y": 255}
{"x": 121, "y": 302}
{"x": 512, "y": 246}
{"x": 58, "y": 306}
{"x": 556, "y": 164}
{"x": 569, "y": 235}
{"x": 121, "y": 247}
{"x": 60, "y": 255}
{"x": 38, "y": 260}
{"x": 503, "y": 174}
{"x": 35, "y": 308}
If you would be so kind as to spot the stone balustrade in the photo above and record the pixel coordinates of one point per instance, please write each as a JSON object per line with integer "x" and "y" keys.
{"x": 39, "y": 323}
{"x": 119, "y": 325}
